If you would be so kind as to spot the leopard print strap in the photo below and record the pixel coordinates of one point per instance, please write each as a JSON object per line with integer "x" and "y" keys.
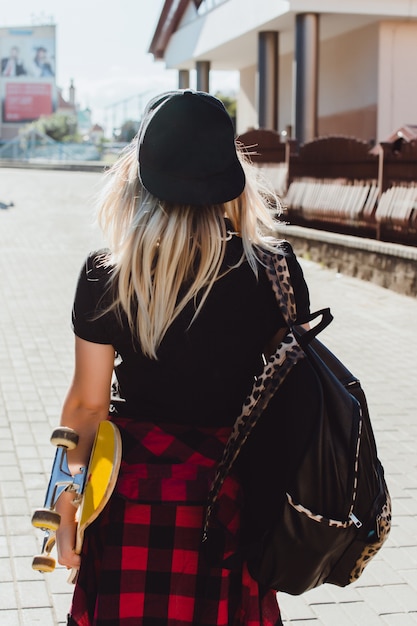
{"x": 276, "y": 369}
{"x": 276, "y": 268}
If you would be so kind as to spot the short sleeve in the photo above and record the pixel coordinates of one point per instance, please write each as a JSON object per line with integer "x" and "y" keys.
{"x": 299, "y": 285}
{"x": 89, "y": 321}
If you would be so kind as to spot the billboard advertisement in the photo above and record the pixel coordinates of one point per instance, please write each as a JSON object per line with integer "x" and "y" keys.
{"x": 27, "y": 73}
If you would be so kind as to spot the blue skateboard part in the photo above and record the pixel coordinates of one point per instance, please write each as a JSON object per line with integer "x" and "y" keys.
{"x": 61, "y": 479}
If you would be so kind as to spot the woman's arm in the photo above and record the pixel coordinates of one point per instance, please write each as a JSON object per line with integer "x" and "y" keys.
{"x": 86, "y": 405}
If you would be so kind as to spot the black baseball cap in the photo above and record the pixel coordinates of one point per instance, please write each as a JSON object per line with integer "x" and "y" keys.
{"x": 187, "y": 150}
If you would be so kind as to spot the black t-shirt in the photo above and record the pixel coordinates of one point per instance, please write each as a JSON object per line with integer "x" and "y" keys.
{"x": 203, "y": 371}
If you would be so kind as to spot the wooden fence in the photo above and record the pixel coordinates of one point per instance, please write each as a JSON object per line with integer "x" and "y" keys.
{"x": 342, "y": 183}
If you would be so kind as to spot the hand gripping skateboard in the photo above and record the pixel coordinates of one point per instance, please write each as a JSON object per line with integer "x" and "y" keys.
{"x": 92, "y": 488}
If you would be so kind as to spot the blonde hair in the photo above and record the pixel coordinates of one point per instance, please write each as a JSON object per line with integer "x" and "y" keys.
{"x": 164, "y": 255}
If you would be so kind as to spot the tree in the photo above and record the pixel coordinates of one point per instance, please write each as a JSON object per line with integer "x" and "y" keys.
{"x": 61, "y": 127}
{"x": 127, "y": 131}
{"x": 229, "y": 103}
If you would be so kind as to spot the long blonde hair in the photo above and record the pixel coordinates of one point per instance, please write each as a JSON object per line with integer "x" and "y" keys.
{"x": 163, "y": 255}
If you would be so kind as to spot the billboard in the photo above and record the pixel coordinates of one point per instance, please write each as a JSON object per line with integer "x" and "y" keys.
{"x": 27, "y": 73}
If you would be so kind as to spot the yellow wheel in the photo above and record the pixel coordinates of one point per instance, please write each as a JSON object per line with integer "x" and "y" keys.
{"x": 43, "y": 563}
{"x": 45, "y": 519}
{"x": 65, "y": 438}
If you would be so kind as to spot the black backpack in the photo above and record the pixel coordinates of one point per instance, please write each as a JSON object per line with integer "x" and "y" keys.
{"x": 336, "y": 513}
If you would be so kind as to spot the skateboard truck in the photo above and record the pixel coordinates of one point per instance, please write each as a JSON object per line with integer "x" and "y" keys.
{"x": 46, "y": 518}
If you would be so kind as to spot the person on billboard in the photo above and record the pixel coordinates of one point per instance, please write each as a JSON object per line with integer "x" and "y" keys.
{"x": 42, "y": 67}
{"x": 13, "y": 65}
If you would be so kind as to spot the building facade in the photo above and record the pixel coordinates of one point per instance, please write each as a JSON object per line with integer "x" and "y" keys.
{"x": 306, "y": 68}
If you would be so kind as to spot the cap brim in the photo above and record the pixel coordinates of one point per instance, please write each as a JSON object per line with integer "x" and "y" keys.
{"x": 216, "y": 189}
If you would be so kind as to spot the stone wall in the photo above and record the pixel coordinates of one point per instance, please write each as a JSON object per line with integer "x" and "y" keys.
{"x": 389, "y": 265}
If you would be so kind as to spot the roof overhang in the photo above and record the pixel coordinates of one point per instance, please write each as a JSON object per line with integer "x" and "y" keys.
{"x": 171, "y": 16}
{"x": 181, "y": 42}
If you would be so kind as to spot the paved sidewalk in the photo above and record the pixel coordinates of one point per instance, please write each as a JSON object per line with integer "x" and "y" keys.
{"x": 44, "y": 239}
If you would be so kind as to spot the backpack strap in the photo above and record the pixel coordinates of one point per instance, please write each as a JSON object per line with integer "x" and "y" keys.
{"x": 277, "y": 271}
{"x": 276, "y": 369}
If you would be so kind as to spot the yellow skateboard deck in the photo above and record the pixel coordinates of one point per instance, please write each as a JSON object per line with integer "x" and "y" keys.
{"x": 102, "y": 472}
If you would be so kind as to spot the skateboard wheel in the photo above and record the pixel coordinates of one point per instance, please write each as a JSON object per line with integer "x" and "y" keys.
{"x": 64, "y": 437}
{"x": 45, "y": 519}
{"x": 43, "y": 563}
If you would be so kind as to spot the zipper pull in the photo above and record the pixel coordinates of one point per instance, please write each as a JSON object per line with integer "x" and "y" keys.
{"x": 355, "y": 520}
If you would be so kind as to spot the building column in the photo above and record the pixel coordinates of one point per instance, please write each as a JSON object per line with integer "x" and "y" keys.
{"x": 306, "y": 76}
{"x": 183, "y": 79}
{"x": 203, "y": 76}
{"x": 268, "y": 71}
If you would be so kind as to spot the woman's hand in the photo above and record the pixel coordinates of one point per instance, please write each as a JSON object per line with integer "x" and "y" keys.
{"x": 65, "y": 542}
{"x": 65, "y": 535}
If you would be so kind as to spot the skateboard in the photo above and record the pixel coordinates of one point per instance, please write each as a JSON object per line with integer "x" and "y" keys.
{"x": 92, "y": 488}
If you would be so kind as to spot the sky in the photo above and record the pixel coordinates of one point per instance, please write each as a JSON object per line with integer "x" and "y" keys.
{"x": 102, "y": 46}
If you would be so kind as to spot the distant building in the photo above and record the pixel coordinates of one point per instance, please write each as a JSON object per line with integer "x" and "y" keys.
{"x": 96, "y": 134}
{"x": 84, "y": 121}
{"x": 64, "y": 106}
{"x": 305, "y": 68}
{"x": 27, "y": 76}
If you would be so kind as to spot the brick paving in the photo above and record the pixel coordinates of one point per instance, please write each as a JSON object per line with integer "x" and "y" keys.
{"x": 44, "y": 238}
